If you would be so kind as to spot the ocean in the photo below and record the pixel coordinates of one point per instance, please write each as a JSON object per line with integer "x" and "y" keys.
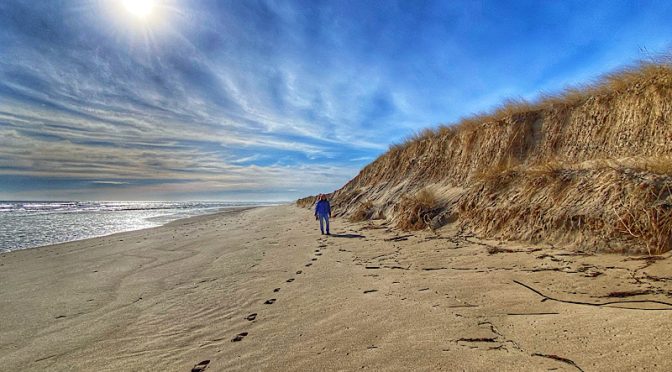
{"x": 29, "y": 224}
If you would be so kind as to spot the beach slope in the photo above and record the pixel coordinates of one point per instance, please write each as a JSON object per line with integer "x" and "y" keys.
{"x": 261, "y": 289}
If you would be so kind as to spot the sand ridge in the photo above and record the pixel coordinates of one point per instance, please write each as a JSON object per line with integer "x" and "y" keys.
{"x": 263, "y": 290}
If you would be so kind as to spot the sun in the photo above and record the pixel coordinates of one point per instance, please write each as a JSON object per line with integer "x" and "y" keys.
{"x": 139, "y": 8}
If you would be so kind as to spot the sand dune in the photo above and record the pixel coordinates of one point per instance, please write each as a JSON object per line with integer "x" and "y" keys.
{"x": 589, "y": 168}
{"x": 262, "y": 290}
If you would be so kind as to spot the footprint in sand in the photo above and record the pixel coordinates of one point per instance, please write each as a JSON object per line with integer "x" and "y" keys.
{"x": 290, "y": 280}
{"x": 308, "y": 264}
{"x": 318, "y": 254}
{"x": 239, "y": 337}
{"x": 299, "y": 272}
{"x": 251, "y": 317}
{"x": 276, "y": 290}
{"x": 313, "y": 259}
{"x": 201, "y": 366}
{"x": 270, "y": 302}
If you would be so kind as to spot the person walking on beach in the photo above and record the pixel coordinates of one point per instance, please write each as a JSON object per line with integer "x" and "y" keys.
{"x": 323, "y": 212}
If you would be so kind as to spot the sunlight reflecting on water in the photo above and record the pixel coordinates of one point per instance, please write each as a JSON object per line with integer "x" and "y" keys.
{"x": 33, "y": 224}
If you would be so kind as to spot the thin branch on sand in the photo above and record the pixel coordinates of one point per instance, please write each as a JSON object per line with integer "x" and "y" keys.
{"x": 606, "y": 304}
{"x": 559, "y": 358}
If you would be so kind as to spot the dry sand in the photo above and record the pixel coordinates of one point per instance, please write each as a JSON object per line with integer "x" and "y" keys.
{"x": 170, "y": 297}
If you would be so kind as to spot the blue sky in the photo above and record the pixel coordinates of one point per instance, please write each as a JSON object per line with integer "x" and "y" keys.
{"x": 273, "y": 100}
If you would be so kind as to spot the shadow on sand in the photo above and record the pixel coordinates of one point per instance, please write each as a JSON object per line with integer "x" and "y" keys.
{"x": 347, "y": 236}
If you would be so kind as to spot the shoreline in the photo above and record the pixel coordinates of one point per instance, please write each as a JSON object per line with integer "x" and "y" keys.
{"x": 261, "y": 289}
{"x": 225, "y": 210}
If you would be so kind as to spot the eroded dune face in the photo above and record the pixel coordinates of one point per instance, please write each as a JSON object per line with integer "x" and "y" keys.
{"x": 588, "y": 167}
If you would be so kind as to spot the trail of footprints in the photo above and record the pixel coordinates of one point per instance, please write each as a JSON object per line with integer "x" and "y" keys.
{"x": 253, "y": 316}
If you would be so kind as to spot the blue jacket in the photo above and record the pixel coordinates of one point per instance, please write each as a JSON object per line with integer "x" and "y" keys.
{"x": 322, "y": 208}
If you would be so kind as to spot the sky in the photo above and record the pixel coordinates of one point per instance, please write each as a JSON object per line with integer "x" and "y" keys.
{"x": 274, "y": 100}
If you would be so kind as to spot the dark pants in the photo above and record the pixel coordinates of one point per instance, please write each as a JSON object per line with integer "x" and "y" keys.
{"x": 324, "y": 220}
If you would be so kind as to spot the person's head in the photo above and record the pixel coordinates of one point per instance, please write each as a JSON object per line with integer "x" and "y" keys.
{"x": 323, "y": 197}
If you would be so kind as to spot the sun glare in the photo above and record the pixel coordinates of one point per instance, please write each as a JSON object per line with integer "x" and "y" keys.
{"x": 139, "y": 8}
{"x": 141, "y": 21}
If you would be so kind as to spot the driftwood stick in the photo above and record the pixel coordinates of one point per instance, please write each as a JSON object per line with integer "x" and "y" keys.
{"x": 602, "y": 303}
{"x": 559, "y": 359}
{"x": 398, "y": 238}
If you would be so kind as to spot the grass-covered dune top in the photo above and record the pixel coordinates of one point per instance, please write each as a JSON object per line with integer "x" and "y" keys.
{"x": 590, "y": 167}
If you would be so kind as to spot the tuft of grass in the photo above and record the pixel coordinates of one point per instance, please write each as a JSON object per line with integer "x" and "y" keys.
{"x": 426, "y": 197}
{"x": 497, "y": 171}
{"x": 415, "y": 213}
{"x": 512, "y": 107}
{"x": 364, "y": 212}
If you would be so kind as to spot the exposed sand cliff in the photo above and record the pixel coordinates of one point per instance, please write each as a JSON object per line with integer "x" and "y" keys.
{"x": 591, "y": 167}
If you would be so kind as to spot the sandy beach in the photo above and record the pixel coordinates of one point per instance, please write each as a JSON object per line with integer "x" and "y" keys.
{"x": 367, "y": 297}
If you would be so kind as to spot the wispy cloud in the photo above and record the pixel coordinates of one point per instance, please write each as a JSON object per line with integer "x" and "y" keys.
{"x": 282, "y": 97}
{"x": 110, "y": 182}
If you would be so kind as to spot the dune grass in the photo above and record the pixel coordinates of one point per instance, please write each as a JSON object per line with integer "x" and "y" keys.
{"x": 415, "y": 212}
{"x": 364, "y": 212}
{"x": 566, "y": 166}
{"x": 610, "y": 208}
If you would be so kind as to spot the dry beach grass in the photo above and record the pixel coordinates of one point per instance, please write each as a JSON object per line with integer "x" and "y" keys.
{"x": 578, "y": 167}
